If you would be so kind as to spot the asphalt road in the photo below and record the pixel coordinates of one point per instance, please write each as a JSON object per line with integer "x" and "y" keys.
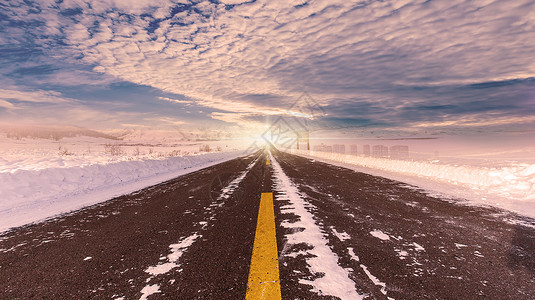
{"x": 192, "y": 238}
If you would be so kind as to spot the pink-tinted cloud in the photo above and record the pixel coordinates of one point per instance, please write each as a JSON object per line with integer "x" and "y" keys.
{"x": 378, "y": 62}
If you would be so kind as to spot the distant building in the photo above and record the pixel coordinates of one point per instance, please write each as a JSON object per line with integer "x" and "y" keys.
{"x": 303, "y": 138}
{"x": 399, "y": 151}
{"x": 323, "y": 148}
{"x": 339, "y": 148}
{"x": 353, "y": 150}
{"x": 366, "y": 150}
{"x": 380, "y": 150}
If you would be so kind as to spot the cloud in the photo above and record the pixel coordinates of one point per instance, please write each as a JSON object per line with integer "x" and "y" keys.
{"x": 77, "y": 114}
{"x": 172, "y": 121}
{"x": 233, "y": 1}
{"x": 249, "y": 122}
{"x": 479, "y": 121}
{"x": 6, "y": 104}
{"x": 376, "y": 62}
{"x": 39, "y": 96}
{"x": 175, "y": 100}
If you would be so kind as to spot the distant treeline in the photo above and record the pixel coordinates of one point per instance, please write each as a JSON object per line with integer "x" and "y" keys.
{"x": 54, "y": 133}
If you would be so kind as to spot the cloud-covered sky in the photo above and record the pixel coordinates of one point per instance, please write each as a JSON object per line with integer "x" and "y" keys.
{"x": 411, "y": 65}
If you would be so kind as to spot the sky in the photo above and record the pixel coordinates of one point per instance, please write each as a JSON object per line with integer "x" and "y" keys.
{"x": 398, "y": 66}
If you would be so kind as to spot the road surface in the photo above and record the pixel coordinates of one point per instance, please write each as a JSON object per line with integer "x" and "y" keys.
{"x": 335, "y": 233}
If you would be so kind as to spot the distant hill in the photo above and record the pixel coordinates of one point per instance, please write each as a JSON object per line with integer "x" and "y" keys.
{"x": 150, "y": 135}
{"x": 50, "y": 132}
{"x": 169, "y": 135}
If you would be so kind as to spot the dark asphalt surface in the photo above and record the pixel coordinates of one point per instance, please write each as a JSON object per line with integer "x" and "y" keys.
{"x": 468, "y": 252}
{"x": 431, "y": 248}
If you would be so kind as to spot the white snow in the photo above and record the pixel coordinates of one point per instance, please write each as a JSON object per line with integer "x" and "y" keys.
{"x": 88, "y": 258}
{"x": 172, "y": 259}
{"x": 149, "y": 290}
{"x": 402, "y": 253}
{"x": 351, "y": 252}
{"x": 507, "y": 184}
{"x": 322, "y": 261}
{"x": 380, "y": 235}
{"x": 374, "y": 279}
{"x": 418, "y": 247}
{"x": 161, "y": 268}
{"x": 33, "y": 195}
{"x": 342, "y": 236}
{"x": 478, "y": 254}
{"x": 229, "y": 189}
{"x": 38, "y": 154}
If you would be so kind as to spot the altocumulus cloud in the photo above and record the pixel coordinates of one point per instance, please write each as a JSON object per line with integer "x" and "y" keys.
{"x": 388, "y": 63}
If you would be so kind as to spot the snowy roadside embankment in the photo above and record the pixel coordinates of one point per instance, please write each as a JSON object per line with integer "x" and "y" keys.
{"x": 32, "y": 195}
{"x": 510, "y": 187}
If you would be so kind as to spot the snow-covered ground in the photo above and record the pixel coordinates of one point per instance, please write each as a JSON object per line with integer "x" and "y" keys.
{"x": 507, "y": 184}
{"x": 38, "y": 154}
{"x": 40, "y": 178}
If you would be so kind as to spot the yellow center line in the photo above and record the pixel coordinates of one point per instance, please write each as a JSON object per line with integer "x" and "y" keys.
{"x": 264, "y": 282}
{"x": 267, "y": 162}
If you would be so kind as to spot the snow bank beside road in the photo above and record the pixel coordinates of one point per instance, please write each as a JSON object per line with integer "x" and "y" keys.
{"x": 32, "y": 195}
{"x": 511, "y": 187}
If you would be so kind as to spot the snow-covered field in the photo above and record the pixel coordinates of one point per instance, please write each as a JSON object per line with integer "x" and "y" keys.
{"x": 38, "y": 154}
{"x": 40, "y": 178}
{"x": 509, "y": 184}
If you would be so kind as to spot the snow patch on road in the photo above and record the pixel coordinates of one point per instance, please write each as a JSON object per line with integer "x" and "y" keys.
{"x": 342, "y": 236}
{"x": 233, "y": 185}
{"x": 172, "y": 262}
{"x": 149, "y": 290}
{"x": 321, "y": 259}
{"x": 374, "y": 279}
{"x": 172, "y": 259}
{"x": 418, "y": 247}
{"x": 351, "y": 252}
{"x": 402, "y": 253}
{"x": 380, "y": 235}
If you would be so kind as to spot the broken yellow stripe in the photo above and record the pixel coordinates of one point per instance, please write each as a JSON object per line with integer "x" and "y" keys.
{"x": 267, "y": 162}
{"x": 264, "y": 282}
